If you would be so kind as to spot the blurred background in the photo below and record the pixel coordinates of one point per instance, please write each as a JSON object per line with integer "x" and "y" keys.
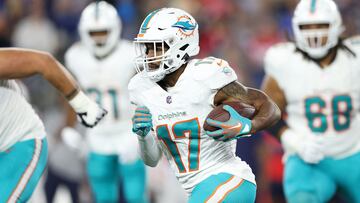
{"x": 238, "y": 31}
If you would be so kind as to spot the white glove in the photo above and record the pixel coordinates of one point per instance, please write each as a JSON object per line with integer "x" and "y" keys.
{"x": 309, "y": 148}
{"x": 87, "y": 110}
{"x": 72, "y": 138}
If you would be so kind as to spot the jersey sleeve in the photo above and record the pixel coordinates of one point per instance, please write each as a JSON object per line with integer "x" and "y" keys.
{"x": 353, "y": 43}
{"x": 133, "y": 92}
{"x": 69, "y": 58}
{"x": 214, "y": 73}
{"x": 273, "y": 63}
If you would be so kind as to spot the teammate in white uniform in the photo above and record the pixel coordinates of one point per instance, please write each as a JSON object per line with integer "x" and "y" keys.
{"x": 104, "y": 65}
{"x": 316, "y": 82}
{"x": 23, "y": 146}
{"x": 174, "y": 94}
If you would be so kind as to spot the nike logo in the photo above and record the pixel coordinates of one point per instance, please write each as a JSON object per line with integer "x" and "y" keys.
{"x": 235, "y": 127}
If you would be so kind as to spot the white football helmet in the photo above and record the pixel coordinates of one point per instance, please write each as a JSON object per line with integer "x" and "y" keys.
{"x": 178, "y": 35}
{"x": 100, "y": 17}
{"x": 317, "y": 12}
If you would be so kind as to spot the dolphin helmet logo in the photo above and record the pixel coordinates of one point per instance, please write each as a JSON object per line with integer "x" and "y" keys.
{"x": 186, "y": 25}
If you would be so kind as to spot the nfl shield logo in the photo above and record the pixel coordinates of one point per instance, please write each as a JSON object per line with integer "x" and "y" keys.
{"x": 168, "y": 99}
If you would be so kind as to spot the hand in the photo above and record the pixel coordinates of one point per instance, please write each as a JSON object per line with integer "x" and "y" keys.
{"x": 237, "y": 126}
{"x": 89, "y": 113}
{"x": 142, "y": 121}
{"x": 308, "y": 148}
{"x": 72, "y": 138}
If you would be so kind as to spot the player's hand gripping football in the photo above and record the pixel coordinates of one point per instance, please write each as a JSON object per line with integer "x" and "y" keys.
{"x": 142, "y": 121}
{"x": 89, "y": 112}
{"x": 237, "y": 126}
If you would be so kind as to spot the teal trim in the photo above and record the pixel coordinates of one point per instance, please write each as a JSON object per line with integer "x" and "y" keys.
{"x": 246, "y": 192}
{"x": 16, "y": 161}
{"x": 313, "y": 6}
{"x": 146, "y": 21}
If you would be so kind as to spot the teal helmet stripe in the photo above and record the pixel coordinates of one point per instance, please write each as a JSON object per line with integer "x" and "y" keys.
{"x": 147, "y": 20}
{"x": 313, "y": 6}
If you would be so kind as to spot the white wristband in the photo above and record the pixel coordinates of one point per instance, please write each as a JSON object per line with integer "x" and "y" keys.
{"x": 79, "y": 102}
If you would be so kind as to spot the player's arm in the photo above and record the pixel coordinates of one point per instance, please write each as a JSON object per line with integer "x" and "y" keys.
{"x": 150, "y": 152}
{"x": 20, "y": 63}
{"x": 273, "y": 90}
{"x": 267, "y": 112}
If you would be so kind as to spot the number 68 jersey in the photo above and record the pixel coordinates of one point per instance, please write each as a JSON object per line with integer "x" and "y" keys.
{"x": 321, "y": 101}
{"x": 178, "y": 115}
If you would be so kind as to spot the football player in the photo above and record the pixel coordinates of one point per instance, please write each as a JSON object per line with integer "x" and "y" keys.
{"x": 315, "y": 80}
{"x": 174, "y": 94}
{"x": 23, "y": 146}
{"x": 104, "y": 64}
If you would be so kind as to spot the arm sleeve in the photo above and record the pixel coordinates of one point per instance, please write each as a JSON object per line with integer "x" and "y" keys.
{"x": 150, "y": 152}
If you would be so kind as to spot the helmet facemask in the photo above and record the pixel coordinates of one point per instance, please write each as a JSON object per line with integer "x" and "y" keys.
{"x": 152, "y": 56}
{"x": 317, "y": 26}
{"x": 314, "y": 39}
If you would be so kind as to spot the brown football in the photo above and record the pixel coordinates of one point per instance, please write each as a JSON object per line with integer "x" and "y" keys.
{"x": 220, "y": 114}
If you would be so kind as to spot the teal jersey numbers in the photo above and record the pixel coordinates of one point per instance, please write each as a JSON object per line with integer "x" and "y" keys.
{"x": 340, "y": 113}
{"x": 185, "y": 132}
{"x": 99, "y": 97}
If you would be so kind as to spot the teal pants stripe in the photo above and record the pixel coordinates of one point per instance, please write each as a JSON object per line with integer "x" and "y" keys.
{"x": 105, "y": 172}
{"x": 21, "y": 167}
{"x": 227, "y": 190}
{"x": 317, "y": 183}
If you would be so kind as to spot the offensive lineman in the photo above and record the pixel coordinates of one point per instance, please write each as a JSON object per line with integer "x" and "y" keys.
{"x": 23, "y": 145}
{"x": 174, "y": 94}
{"x": 104, "y": 65}
{"x": 316, "y": 82}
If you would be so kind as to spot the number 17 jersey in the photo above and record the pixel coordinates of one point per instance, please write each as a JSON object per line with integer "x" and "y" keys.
{"x": 178, "y": 115}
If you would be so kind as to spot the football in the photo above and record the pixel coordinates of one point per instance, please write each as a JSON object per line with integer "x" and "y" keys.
{"x": 220, "y": 114}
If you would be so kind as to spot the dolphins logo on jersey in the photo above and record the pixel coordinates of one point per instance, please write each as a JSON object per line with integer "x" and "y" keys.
{"x": 185, "y": 25}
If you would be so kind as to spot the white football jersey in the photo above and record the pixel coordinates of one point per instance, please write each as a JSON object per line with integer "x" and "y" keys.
{"x": 105, "y": 81}
{"x": 320, "y": 102}
{"x": 18, "y": 121}
{"x": 178, "y": 115}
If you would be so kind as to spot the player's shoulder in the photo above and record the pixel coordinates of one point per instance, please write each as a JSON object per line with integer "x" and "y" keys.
{"x": 138, "y": 82}
{"x": 75, "y": 50}
{"x": 280, "y": 50}
{"x": 202, "y": 69}
{"x": 125, "y": 49}
{"x": 353, "y": 43}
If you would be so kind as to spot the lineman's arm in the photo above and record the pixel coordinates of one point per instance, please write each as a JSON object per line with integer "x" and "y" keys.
{"x": 273, "y": 90}
{"x": 20, "y": 63}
